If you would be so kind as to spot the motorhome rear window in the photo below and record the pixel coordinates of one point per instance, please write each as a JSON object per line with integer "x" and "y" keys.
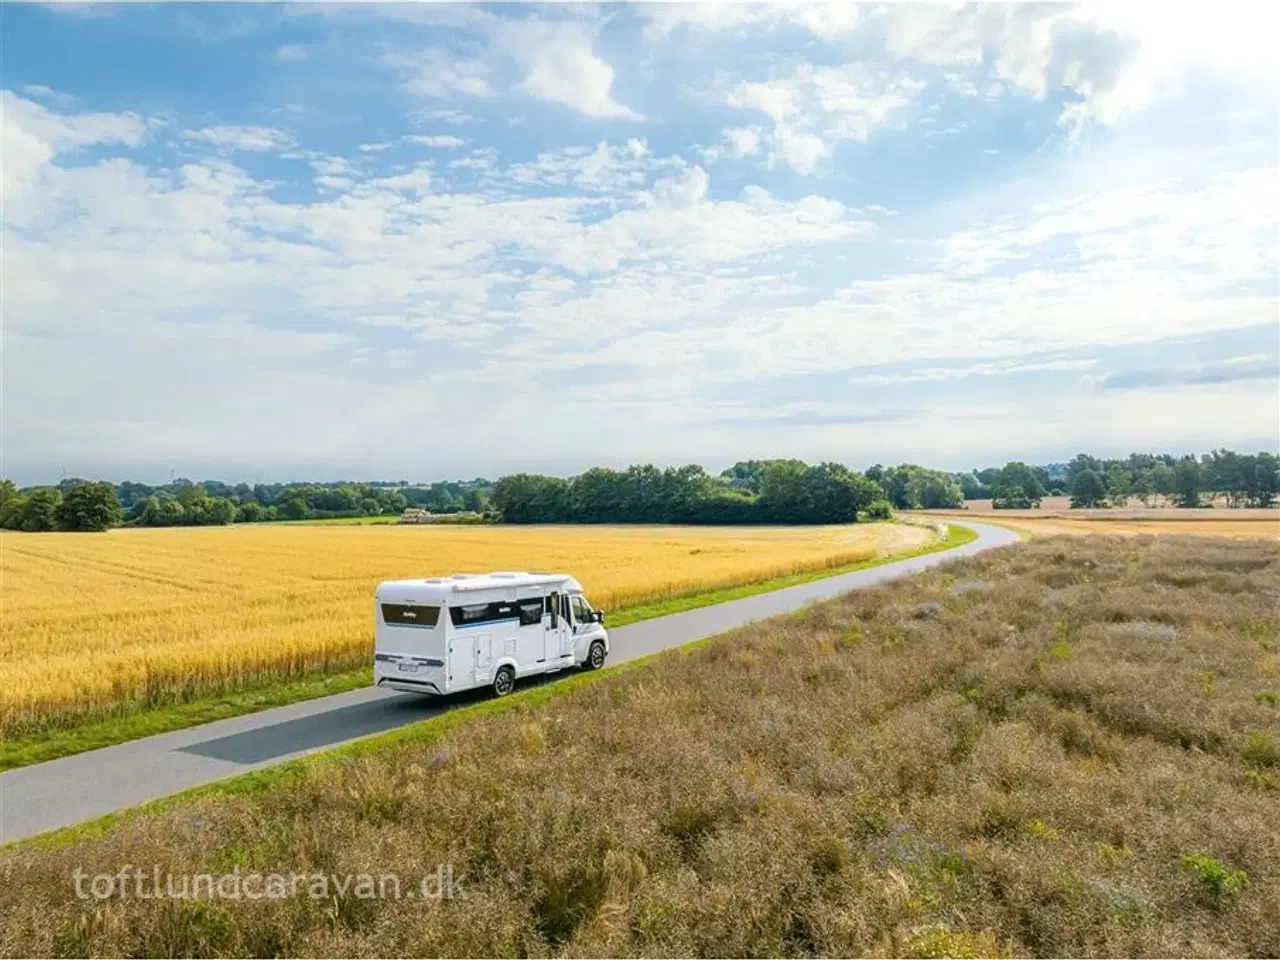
{"x": 409, "y": 615}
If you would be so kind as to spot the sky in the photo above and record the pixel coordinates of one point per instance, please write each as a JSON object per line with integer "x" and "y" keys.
{"x": 424, "y": 241}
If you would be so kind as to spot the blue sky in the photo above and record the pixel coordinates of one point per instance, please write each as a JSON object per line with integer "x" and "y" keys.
{"x": 426, "y": 240}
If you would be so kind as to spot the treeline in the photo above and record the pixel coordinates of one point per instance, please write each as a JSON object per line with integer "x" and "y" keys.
{"x": 749, "y": 492}
{"x": 76, "y": 504}
{"x": 1220, "y": 477}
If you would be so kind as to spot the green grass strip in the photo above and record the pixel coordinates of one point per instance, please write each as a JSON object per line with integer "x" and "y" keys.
{"x": 52, "y": 744}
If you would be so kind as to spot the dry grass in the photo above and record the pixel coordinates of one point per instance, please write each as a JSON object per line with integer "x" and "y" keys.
{"x": 95, "y": 624}
{"x": 1068, "y": 747}
{"x": 1055, "y": 516}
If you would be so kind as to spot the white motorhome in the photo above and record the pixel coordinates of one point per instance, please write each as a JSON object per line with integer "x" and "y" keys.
{"x": 441, "y": 635}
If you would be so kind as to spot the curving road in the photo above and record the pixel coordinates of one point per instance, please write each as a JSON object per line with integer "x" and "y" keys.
{"x": 73, "y": 789}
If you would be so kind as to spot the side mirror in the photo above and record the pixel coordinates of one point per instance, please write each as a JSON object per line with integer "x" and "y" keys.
{"x": 598, "y": 616}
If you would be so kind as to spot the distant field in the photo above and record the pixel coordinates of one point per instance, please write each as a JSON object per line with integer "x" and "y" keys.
{"x": 1069, "y": 747}
{"x": 102, "y": 624}
{"x": 1056, "y": 516}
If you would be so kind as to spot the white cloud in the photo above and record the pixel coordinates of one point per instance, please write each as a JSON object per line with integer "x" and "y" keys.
{"x": 439, "y": 73}
{"x": 814, "y": 108}
{"x": 169, "y": 266}
{"x": 248, "y": 138}
{"x": 436, "y": 141}
{"x": 603, "y": 168}
{"x": 457, "y": 117}
{"x": 736, "y": 143}
{"x": 33, "y": 136}
{"x": 742, "y": 141}
{"x": 40, "y": 92}
{"x": 138, "y": 282}
{"x": 561, "y": 66}
{"x": 1116, "y": 58}
{"x": 828, "y": 19}
{"x": 998, "y": 368}
{"x": 556, "y": 61}
{"x": 291, "y": 53}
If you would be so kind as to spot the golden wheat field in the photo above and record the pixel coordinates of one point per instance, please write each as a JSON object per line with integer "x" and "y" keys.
{"x": 95, "y": 624}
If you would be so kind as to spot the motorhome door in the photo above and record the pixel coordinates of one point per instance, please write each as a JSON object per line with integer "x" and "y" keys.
{"x": 484, "y": 658}
{"x": 462, "y": 661}
{"x": 559, "y": 628}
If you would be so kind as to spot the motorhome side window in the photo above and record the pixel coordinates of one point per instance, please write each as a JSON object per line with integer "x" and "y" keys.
{"x": 581, "y": 610}
{"x": 530, "y": 612}
{"x": 472, "y": 613}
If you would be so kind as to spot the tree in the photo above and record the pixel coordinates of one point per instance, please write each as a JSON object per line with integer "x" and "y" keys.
{"x": 912, "y": 487}
{"x": 477, "y": 500}
{"x": 1088, "y": 490}
{"x": 1143, "y": 487}
{"x": 1119, "y": 485}
{"x": 7, "y": 490}
{"x": 972, "y": 487}
{"x": 40, "y": 512}
{"x": 1021, "y": 483}
{"x": 219, "y": 510}
{"x": 1266, "y": 480}
{"x": 11, "y": 511}
{"x": 878, "y": 510}
{"x": 249, "y": 512}
{"x": 1004, "y": 497}
{"x": 1081, "y": 462}
{"x": 187, "y": 492}
{"x": 1186, "y": 480}
{"x": 1163, "y": 481}
{"x": 89, "y": 506}
{"x": 162, "y": 511}
{"x": 294, "y": 508}
{"x": 934, "y": 490}
{"x": 529, "y": 498}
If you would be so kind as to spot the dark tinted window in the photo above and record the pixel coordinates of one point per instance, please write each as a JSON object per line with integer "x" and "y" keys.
{"x": 410, "y": 615}
{"x": 530, "y": 611}
{"x": 473, "y": 613}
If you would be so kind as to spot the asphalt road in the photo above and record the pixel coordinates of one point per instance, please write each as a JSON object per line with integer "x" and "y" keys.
{"x": 73, "y": 789}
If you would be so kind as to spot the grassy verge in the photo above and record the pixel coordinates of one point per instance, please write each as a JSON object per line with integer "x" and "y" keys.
{"x": 1067, "y": 748}
{"x": 50, "y": 745}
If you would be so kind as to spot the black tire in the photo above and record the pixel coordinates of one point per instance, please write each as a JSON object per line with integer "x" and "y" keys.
{"x": 504, "y": 681}
{"x": 595, "y": 656}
